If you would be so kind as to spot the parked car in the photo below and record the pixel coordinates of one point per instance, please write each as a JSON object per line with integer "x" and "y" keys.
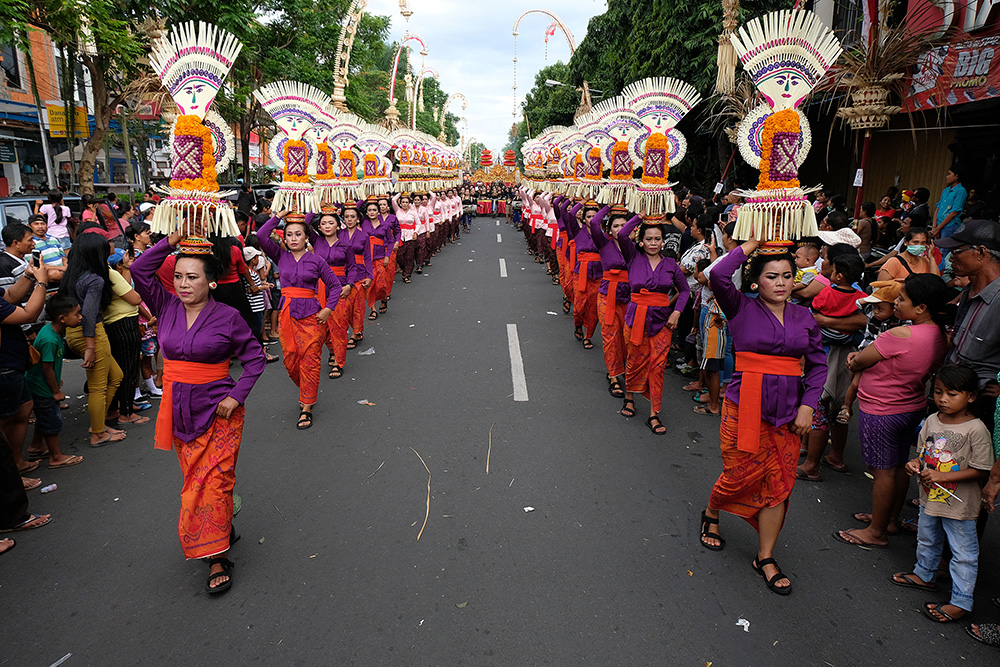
{"x": 20, "y": 207}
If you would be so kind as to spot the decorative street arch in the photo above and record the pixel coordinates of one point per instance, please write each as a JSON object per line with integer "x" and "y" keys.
{"x": 348, "y": 29}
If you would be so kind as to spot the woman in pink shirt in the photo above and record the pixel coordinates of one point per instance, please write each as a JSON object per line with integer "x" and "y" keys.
{"x": 891, "y": 394}
{"x": 408, "y": 219}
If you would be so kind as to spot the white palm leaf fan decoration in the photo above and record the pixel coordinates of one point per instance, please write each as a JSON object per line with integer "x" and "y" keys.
{"x": 659, "y": 103}
{"x": 786, "y": 54}
{"x": 192, "y": 61}
{"x": 374, "y": 143}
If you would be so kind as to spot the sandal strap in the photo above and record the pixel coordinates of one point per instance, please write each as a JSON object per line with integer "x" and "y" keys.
{"x": 221, "y": 560}
{"x": 767, "y": 561}
{"x": 709, "y": 520}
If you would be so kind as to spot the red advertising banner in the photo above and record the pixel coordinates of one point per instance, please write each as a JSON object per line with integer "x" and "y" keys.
{"x": 967, "y": 67}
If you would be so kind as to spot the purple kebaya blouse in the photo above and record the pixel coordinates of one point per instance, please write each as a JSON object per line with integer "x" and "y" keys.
{"x": 611, "y": 256}
{"x": 383, "y": 232}
{"x": 218, "y": 333}
{"x": 358, "y": 245}
{"x": 754, "y": 328}
{"x": 306, "y": 272}
{"x": 642, "y": 275}
{"x": 584, "y": 243}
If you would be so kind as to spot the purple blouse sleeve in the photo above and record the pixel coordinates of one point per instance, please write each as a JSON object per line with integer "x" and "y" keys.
{"x": 720, "y": 279}
{"x": 596, "y": 233}
{"x": 333, "y": 284}
{"x": 147, "y": 283}
{"x": 629, "y": 251}
{"x": 251, "y": 355}
{"x": 313, "y": 234}
{"x": 816, "y": 366}
{"x": 270, "y": 248}
{"x": 681, "y": 284}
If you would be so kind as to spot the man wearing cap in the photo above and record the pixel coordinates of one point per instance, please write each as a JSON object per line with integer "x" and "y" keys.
{"x": 975, "y": 253}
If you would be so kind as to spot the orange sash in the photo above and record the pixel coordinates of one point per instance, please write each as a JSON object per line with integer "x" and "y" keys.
{"x": 643, "y": 300}
{"x": 188, "y": 372}
{"x": 374, "y": 241}
{"x": 572, "y": 254}
{"x": 614, "y": 278}
{"x": 359, "y": 259}
{"x": 298, "y": 293}
{"x": 339, "y": 271}
{"x": 585, "y": 259}
{"x": 754, "y": 367}
{"x": 564, "y": 237}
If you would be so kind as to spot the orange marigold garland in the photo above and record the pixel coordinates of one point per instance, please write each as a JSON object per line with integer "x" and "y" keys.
{"x": 298, "y": 176}
{"x": 324, "y": 156}
{"x": 194, "y": 159}
{"x": 781, "y": 131}
{"x": 656, "y": 167}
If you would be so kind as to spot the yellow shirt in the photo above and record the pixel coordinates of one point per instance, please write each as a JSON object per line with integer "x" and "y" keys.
{"x": 119, "y": 308}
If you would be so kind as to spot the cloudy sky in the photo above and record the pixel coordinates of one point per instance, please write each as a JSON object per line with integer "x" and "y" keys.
{"x": 471, "y": 46}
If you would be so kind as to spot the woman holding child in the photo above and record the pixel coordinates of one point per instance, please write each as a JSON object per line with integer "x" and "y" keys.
{"x": 894, "y": 373}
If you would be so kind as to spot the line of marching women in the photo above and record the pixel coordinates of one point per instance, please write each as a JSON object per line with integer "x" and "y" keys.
{"x": 337, "y": 270}
{"x": 612, "y": 272}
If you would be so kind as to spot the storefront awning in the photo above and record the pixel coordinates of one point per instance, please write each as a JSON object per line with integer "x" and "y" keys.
{"x": 13, "y": 138}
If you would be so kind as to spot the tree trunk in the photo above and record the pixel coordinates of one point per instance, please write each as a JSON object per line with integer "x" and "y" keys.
{"x": 103, "y": 108}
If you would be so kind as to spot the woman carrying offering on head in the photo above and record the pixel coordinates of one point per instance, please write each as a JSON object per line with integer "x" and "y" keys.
{"x": 328, "y": 247}
{"x": 769, "y": 403}
{"x": 650, "y": 318}
{"x": 201, "y": 414}
{"x": 303, "y": 317}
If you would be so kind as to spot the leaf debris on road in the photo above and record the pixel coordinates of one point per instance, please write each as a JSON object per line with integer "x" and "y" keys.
{"x": 427, "y": 513}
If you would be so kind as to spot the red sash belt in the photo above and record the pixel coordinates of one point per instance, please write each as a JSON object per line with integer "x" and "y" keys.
{"x": 188, "y": 372}
{"x": 754, "y": 367}
{"x": 585, "y": 259}
{"x": 563, "y": 239}
{"x": 552, "y": 242}
{"x": 643, "y": 300}
{"x": 572, "y": 254}
{"x": 359, "y": 258}
{"x": 339, "y": 271}
{"x": 614, "y": 278}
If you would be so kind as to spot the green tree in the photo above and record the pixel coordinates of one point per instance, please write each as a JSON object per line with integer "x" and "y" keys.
{"x": 475, "y": 149}
{"x": 98, "y": 35}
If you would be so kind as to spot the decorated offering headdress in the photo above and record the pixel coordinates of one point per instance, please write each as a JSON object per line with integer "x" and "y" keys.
{"x": 322, "y": 162}
{"x": 625, "y": 129}
{"x": 786, "y": 54}
{"x": 374, "y": 144}
{"x": 659, "y": 103}
{"x": 192, "y": 61}
{"x": 294, "y": 107}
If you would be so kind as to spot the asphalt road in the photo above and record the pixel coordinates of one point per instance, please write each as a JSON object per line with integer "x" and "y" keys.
{"x": 605, "y": 570}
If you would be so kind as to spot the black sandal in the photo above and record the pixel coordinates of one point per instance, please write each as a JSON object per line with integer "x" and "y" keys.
{"x": 578, "y": 333}
{"x": 383, "y": 308}
{"x": 566, "y": 305}
{"x": 615, "y": 388}
{"x": 306, "y": 423}
{"x": 227, "y": 571}
{"x": 555, "y": 280}
{"x": 706, "y": 523}
{"x": 759, "y": 568}
{"x": 336, "y": 372}
{"x": 626, "y": 408}
{"x": 655, "y": 429}
{"x": 406, "y": 280}
{"x": 588, "y": 344}
{"x": 351, "y": 343}
{"x": 373, "y": 315}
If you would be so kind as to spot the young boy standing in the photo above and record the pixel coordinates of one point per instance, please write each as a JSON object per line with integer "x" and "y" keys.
{"x": 45, "y": 381}
{"x": 954, "y": 458}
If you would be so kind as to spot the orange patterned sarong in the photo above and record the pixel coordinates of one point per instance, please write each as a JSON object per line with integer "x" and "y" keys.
{"x": 302, "y": 347}
{"x": 359, "y": 312}
{"x": 336, "y": 326}
{"x": 585, "y": 305}
{"x": 752, "y": 481}
{"x": 645, "y": 364}
{"x": 208, "y": 467}
{"x": 612, "y": 333}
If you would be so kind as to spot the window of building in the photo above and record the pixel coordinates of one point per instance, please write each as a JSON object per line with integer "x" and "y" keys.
{"x": 11, "y": 65}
